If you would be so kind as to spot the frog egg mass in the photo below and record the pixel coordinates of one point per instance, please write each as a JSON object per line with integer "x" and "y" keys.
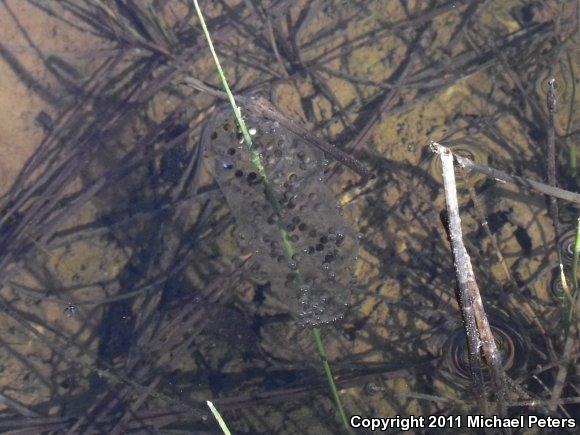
{"x": 291, "y": 207}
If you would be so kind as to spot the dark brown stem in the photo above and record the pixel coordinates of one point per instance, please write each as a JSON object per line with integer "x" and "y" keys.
{"x": 531, "y": 185}
{"x": 551, "y": 149}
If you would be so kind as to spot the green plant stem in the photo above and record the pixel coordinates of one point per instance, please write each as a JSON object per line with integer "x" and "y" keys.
{"x": 573, "y": 295}
{"x": 219, "y": 418}
{"x": 255, "y": 158}
{"x": 288, "y": 248}
{"x": 329, "y": 377}
{"x": 576, "y": 257}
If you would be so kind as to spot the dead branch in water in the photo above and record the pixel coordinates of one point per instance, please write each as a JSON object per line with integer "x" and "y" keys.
{"x": 473, "y": 339}
{"x": 470, "y": 298}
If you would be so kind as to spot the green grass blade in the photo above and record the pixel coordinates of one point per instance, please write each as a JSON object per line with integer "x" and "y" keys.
{"x": 329, "y": 377}
{"x": 237, "y": 112}
{"x": 576, "y": 257}
{"x": 288, "y": 248}
{"x": 219, "y": 418}
{"x": 574, "y": 294}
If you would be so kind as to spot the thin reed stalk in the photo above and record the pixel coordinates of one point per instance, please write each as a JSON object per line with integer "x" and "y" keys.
{"x": 551, "y": 160}
{"x": 288, "y": 249}
{"x": 551, "y": 172}
{"x": 496, "y": 174}
{"x": 570, "y": 342}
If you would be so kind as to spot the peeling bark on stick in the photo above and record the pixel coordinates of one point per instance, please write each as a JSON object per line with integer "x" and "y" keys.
{"x": 467, "y": 284}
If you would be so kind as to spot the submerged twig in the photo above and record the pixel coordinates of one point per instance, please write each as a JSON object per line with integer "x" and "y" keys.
{"x": 466, "y": 281}
{"x": 481, "y": 216}
{"x": 264, "y": 108}
{"x": 551, "y": 160}
{"x": 17, "y": 406}
{"x": 497, "y": 174}
{"x": 551, "y": 172}
{"x": 473, "y": 340}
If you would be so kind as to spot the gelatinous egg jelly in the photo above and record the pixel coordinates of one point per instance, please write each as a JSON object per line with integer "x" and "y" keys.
{"x": 288, "y": 204}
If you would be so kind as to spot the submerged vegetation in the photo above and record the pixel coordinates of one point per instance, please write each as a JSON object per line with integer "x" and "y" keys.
{"x": 161, "y": 252}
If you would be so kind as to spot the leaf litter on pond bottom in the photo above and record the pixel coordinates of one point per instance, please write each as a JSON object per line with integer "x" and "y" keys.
{"x": 316, "y": 281}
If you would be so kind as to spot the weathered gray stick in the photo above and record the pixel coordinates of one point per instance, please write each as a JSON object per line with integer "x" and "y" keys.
{"x": 473, "y": 340}
{"x": 466, "y": 280}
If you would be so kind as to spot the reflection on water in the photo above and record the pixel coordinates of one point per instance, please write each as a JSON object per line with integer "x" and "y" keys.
{"x": 472, "y": 151}
{"x": 566, "y": 246}
{"x": 510, "y": 344}
{"x": 128, "y": 298}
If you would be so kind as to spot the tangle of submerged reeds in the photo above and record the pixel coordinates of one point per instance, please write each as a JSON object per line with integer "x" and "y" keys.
{"x": 119, "y": 345}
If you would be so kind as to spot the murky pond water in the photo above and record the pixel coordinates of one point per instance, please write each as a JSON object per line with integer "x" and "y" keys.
{"x": 149, "y": 264}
